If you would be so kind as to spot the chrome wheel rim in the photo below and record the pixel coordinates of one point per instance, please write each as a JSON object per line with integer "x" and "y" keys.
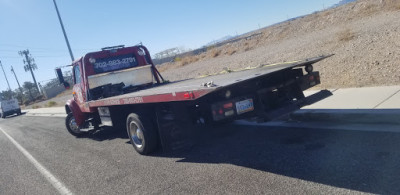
{"x": 136, "y": 134}
{"x": 74, "y": 127}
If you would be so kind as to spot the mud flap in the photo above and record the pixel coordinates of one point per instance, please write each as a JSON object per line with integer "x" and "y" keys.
{"x": 176, "y": 131}
{"x": 290, "y": 108}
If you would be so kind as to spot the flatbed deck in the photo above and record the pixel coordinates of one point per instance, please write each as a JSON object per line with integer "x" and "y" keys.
{"x": 192, "y": 89}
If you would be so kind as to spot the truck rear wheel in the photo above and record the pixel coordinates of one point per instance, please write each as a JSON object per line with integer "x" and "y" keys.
{"x": 71, "y": 125}
{"x": 142, "y": 134}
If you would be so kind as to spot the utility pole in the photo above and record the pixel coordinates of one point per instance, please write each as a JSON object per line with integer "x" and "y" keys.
{"x": 12, "y": 70}
{"x": 63, "y": 29}
{"x": 5, "y": 76}
{"x": 29, "y": 65}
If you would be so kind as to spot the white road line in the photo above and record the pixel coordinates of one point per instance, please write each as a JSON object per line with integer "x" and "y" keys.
{"x": 60, "y": 187}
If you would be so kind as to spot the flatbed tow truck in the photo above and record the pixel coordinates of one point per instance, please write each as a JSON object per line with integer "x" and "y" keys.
{"x": 121, "y": 87}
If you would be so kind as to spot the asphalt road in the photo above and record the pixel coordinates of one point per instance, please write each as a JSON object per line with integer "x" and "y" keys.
{"x": 233, "y": 159}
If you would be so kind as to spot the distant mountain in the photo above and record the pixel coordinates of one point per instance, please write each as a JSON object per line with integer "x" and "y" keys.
{"x": 220, "y": 40}
{"x": 342, "y": 2}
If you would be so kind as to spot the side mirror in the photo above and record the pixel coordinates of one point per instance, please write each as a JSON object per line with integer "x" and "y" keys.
{"x": 60, "y": 75}
{"x": 61, "y": 78}
{"x": 66, "y": 85}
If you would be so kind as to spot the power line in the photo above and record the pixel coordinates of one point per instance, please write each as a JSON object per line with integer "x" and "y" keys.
{"x": 49, "y": 56}
{"x": 44, "y": 50}
{"x": 32, "y": 48}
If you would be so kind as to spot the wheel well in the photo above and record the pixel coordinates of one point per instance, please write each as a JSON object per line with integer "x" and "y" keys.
{"x": 119, "y": 114}
{"x": 138, "y": 109}
{"x": 67, "y": 109}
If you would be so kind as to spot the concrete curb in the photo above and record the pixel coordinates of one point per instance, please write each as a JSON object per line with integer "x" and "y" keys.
{"x": 47, "y": 114}
{"x": 366, "y": 116}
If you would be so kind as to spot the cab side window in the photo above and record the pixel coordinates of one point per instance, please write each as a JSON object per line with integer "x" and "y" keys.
{"x": 77, "y": 74}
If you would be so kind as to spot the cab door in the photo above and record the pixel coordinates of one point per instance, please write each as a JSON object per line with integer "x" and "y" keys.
{"x": 77, "y": 91}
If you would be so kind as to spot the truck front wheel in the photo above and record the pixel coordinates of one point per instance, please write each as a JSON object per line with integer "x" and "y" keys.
{"x": 72, "y": 127}
{"x": 142, "y": 134}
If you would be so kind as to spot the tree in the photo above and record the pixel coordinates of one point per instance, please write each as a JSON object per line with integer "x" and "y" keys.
{"x": 6, "y": 95}
{"x": 30, "y": 89}
{"x": 19, "y": 95}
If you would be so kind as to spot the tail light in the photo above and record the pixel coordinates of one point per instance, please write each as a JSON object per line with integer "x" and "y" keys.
{"x": 188, "y": 95}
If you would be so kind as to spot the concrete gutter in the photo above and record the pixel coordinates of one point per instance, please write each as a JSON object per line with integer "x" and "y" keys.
{"x": 370, "y": 105}
{"x": 365, "y": 116}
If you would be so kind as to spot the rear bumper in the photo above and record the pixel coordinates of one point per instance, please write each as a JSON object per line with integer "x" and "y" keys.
{"x": 11, "y": 112}
{"x": 271, "y": 102}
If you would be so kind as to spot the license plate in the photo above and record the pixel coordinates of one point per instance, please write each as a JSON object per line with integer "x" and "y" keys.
{"x": 244, "y": 106}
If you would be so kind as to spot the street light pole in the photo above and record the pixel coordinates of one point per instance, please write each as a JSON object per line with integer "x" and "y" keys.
{"x": 65, "y": 34}
{"x": 5, "y": 76}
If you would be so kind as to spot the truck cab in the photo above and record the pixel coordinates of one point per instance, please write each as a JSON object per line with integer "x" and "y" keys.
{"x": 112, "y": 71}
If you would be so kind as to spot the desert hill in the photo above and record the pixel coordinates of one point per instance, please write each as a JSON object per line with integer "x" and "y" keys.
{"x": 364, "y": 36}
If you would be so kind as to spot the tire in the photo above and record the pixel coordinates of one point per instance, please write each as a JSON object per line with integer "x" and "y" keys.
{"x": 71, "y": 125}
{"x": 142, "y": 134}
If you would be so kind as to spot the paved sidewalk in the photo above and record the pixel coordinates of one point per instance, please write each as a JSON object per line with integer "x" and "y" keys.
{"x": 359, "y": 105}
{"x": 360, "y": 98}
{"x": 54, "y": 112}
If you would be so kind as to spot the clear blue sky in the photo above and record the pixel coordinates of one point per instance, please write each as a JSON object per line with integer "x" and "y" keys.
{"x": 91, "y": 25}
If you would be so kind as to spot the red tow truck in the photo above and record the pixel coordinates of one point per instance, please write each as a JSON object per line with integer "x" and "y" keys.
{"x": 121, "y": 87}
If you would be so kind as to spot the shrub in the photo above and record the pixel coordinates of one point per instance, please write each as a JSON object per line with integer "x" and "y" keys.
{"x": 27, "y": 102}
{"x": 51, "y": 103}
{"x": 215, "y": 53}
{"x": 188, "y": 59}
{"x": 230, "y": 51}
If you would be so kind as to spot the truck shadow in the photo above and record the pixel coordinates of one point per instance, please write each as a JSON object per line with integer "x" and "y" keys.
{"x": 106, "y": 133}
{"x": 356, "y": 160}
{"x": 366, "y": 161}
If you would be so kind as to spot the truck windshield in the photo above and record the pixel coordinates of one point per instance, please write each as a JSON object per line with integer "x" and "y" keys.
{"x": 120, "y": 62}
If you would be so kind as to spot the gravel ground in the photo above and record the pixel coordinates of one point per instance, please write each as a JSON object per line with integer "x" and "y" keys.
{"x": 364, "y": 36}
{"x": 60, "y": 101}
